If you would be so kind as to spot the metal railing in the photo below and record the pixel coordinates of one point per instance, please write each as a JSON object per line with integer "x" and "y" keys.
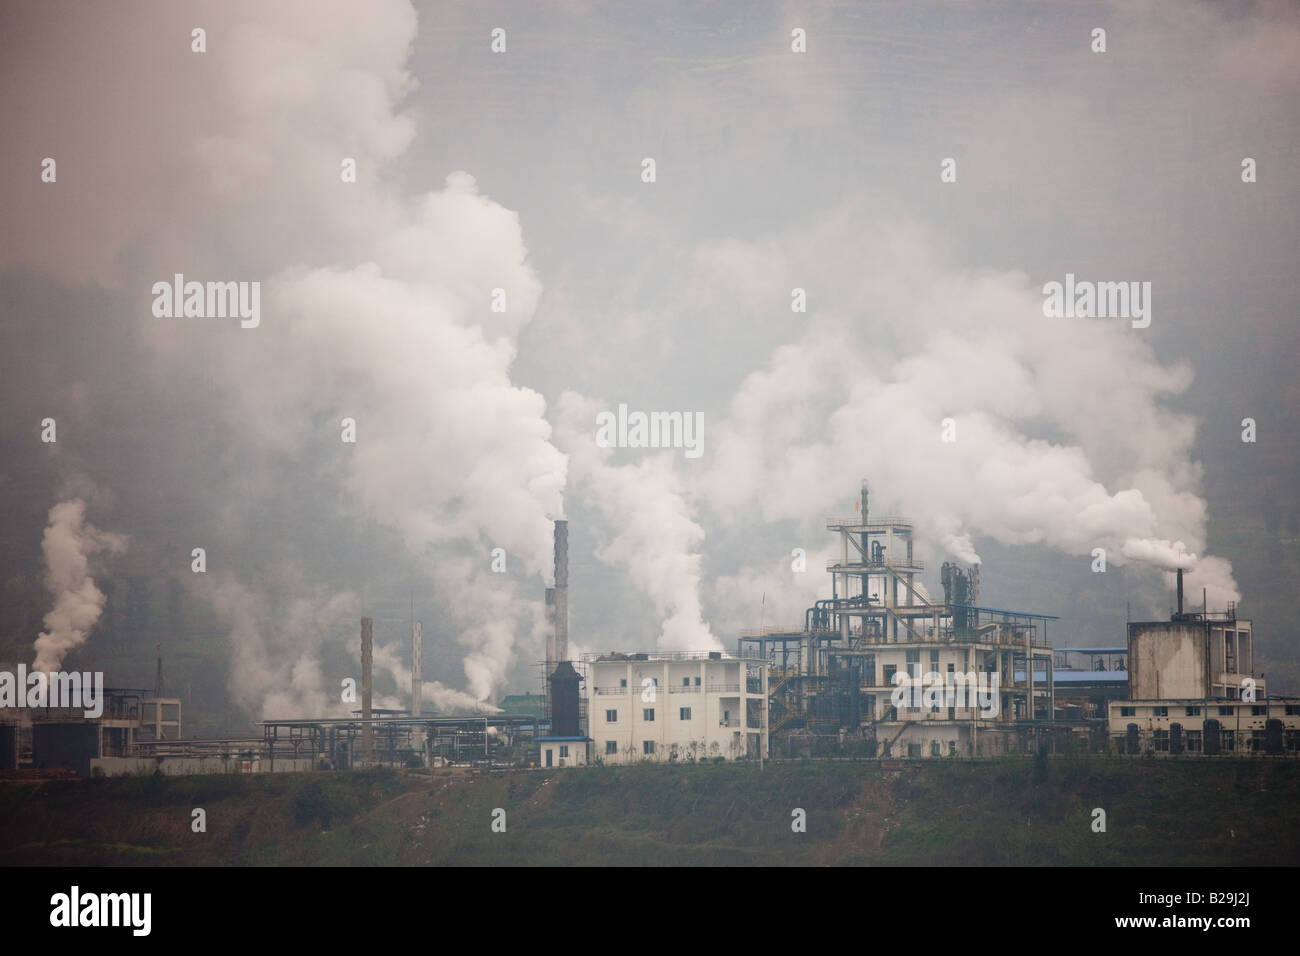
{"x": 624, "y": 657}
{"x": 872, "y": 521}
{"x": 724, "y": 688}
{"x": 860, "y": 566}
{"x": 771, "y": 629}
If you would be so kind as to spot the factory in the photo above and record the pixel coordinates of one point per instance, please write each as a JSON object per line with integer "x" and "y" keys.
{"x": 55, "y": 740}
{"x": 1192, "y": 689}
{"x": 656, "y": 707}
{"x": 885, "y": 668}
{"x": 880, "y": 669}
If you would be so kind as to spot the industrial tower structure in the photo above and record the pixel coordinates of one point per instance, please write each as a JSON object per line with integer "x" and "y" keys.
{"x": 838, "y": 673}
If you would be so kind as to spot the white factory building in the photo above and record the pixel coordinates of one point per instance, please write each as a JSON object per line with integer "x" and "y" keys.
{"x": 1193, "y": 690}
{"x": 676, "y": 707}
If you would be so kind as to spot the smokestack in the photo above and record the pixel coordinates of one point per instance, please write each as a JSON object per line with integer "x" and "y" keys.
{"x": 561, "y": 628}
{"x": 550, "y": 631}
{"x": 417, "y": 668}
{"x": 864, "y": 501}
{"x": 1180, "y": 592}
{"x": 367, "y": 683}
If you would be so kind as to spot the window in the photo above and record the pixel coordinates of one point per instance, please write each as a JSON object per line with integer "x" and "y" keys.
{"x": 564, "y": 750}
{"x": 611, "y": 746}
{"x": 914, "y": 750}
{"x": 1128, "y": 711}
{"x": 934, "y": 660}
{"x": 697, "y": 682}
{"x": 952, "y": 748}
{"x": 890, "y": 670}
{"x": 914, "y": 664}
{"x": 685, "y": 713}
{"x": 623, "y": 682}
{"x": 934, "y": 748}
{"x": 1293, "y": 710}
{"x": 647, "y": 747}
{"x": 611, "y": 716}
{"x": 1225, "y": 711}
{"x": 1258, "y": 711}
{"x": 686, "y": 682}
{"x": 1160, "y": 711}
{"x": 648, "y": 713}
{"x": 1193, "y": 711}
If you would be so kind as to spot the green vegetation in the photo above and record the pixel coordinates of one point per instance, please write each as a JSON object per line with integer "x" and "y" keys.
{"x": 1033, "y": 811}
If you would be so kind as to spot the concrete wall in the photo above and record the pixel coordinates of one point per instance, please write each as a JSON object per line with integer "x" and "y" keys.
{"x": 188, "y": 766}
{"x": 1168, "y": 659}
{"x": 8, "y": 746}
{"x": 72, "y": 745}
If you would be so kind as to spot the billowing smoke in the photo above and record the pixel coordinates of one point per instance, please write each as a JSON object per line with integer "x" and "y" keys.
{"x": 393, "y": 660}
{"x": 969, "y": 411}
{"x": 394, "y": 309}
{"x": 653, "y": 534}
{"x": 276, "y": 637}
{"x": 69, "y": 544}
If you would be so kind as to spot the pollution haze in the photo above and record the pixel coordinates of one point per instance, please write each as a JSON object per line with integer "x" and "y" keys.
{"x": 468, "y": 247}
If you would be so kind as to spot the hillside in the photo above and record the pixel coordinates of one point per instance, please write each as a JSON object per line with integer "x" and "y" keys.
{"x": 1022, "y": 812}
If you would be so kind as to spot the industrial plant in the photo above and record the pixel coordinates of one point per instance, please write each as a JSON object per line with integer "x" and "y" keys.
{"x": 881, "y": 669}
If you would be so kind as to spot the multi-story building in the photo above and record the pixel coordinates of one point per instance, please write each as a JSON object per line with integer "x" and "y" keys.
{"x": 1192, "y": 689}
{"x": 676, "y": 707}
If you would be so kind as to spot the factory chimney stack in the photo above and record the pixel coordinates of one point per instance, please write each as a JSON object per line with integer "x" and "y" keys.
{"x": 367, "y": 684}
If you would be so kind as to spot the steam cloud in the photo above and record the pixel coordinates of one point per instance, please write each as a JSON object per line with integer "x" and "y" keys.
{"x": 68, "y": 545}
{"x": 1061, "y": 435}
{"x": 376, "y": 307}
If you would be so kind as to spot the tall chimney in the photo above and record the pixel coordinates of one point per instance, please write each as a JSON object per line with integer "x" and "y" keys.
{"x": 417, "y": 668}
{"x": 561, "y": 590}
{"x": 550, "y": 632}
{"x": 1180, "y": 592}
{"x": 367, "y": 660}
{"x": 864, "y": 501}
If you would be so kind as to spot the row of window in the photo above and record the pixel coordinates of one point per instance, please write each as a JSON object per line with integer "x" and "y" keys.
{"x": 647, "y": 747}
{"x": 1257, "y": 710}
{"x": 936, "y": 749}
{"x": 648, "y": 714}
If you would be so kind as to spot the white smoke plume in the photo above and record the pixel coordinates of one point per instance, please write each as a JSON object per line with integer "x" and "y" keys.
{"x": 69, "y": 544}
{"x": 1061, "y": 435}
{"x": 654, "y": 538}
{"x": 377, "y": 302}
{"x": 275, "y": 645}
{"x": 394, "y": 660}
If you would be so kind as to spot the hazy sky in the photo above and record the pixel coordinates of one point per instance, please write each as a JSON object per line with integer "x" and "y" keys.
{"x": 523, "y": 170}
